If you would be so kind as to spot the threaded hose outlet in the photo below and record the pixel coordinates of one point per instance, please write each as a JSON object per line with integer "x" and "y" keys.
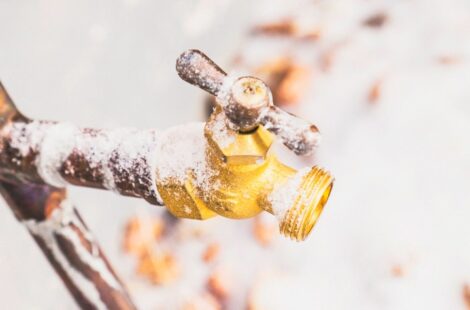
{"x": 299, "y": 202}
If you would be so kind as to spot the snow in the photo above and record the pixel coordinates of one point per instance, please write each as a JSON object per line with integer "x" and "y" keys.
{"x": 63, "y": 221}
{"x": 55, "y": 142}
{"x": 181, "y": 151}
{"x": 225, "y": 90}
{"x": 283, "y": 196}
{"x": 401, "y": 165}
{"x": 221, "y": 133}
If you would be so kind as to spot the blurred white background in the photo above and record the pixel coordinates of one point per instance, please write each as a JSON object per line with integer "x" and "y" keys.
{"x": 402, "y": 165}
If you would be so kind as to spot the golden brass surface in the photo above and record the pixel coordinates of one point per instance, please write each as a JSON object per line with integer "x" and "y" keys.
{"x": 244, "y": 175}
{"x": 182, "y": 200}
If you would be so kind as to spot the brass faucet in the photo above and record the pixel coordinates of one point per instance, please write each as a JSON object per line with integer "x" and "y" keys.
{"x": 246, "y": 178}
{"x": 240, "y": 177}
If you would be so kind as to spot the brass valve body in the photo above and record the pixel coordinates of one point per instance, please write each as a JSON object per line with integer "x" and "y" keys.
{"x": 247, "y": 180}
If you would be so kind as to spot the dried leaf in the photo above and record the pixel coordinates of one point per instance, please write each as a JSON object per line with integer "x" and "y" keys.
{"x": 294, "y": 85}
{"x": 285, "y": 27}
{"x": 466, "y": 295}
{"x": 287, "y": 80}
{"x": 140, "y": 234}
{"x": 397, "y": 271}
{"x": 159, "y": 268}
{"x": 203, "y": 302}
{"x": 375, "y": 91}
{"x": 211, "y": 253}
{"x": 219, "y": 284}
{"x": 376, "y": 21}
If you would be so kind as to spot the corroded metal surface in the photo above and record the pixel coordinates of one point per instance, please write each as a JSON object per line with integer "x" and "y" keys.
{"x": 60, "y": 153}
{"x": 236, "y": 94}
{"x": 67, "y": 243}
{"x": 56, "y": 226}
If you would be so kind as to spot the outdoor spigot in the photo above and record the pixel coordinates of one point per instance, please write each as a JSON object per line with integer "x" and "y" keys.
{"x": 241, "y": 179}
{"x": 222, "y": 167}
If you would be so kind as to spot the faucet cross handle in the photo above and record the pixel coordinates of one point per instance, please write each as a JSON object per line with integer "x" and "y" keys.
{"x": 247, "y": 102}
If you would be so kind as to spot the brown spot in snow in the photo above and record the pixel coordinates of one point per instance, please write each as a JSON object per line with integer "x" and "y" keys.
{"x": 448, "y": 60}
{"x": 466, "y": 295}
{"x": 377, "y": 20}
{"x": 203, "y": 302}
{"x": 287, "y": 27}
{"x": 375, "y": 91}
{"x": 311, "y": 35}
{"x": 288, "y": 81}
{"x": 294, "y": 85}
{"x": 140, "y": 234}
{"x": 219, "y": 284}
{"x": 397, "y": 271}
{"x": 211, "y": 253}
{"x": 158, "y": 267}
{"x": 326, "y": 60}
{"x": 263, "y": 231}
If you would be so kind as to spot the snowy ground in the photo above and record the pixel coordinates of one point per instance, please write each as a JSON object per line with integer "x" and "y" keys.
{"x": 395, "y": 232}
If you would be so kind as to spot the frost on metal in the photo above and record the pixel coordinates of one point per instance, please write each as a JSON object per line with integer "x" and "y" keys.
{"x": 125, "y": 160}
{"x": 221, "y": 133}
{"x": 283, "y": 196}
{"x": 181, "y": 152}
{"x": 122, "y": 160}
{"x": 196, "y": 68}
{"x": 64, "y": 226}
{"x": 247, "y": 102}
{"x": 297, "y": 134}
